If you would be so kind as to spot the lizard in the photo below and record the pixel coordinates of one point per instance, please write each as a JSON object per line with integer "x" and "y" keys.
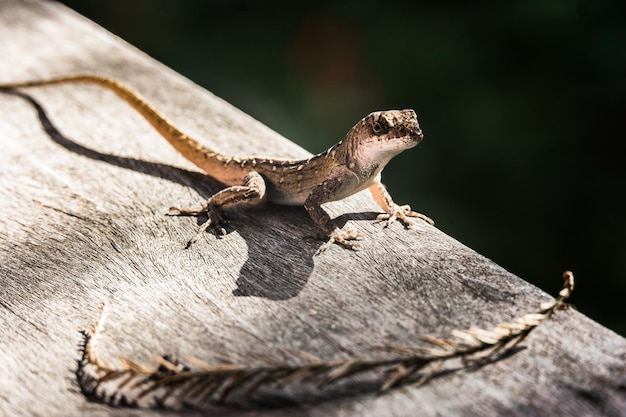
{"x": 352, "y": 165}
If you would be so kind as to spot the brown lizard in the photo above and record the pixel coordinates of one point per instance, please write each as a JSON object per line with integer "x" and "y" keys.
{"x": 348, "y": 167}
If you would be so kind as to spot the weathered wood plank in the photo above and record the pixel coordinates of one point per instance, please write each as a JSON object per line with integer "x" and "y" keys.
{"x": 82, "y": 220}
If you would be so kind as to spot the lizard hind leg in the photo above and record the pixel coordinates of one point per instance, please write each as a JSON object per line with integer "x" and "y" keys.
{"x": 252, "y": 192}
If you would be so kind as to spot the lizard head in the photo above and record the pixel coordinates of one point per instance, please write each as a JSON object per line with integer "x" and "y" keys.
{"x": 382, "y": 135}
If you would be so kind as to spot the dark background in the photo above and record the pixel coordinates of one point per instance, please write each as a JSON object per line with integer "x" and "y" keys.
{"x": 522, "y": 104}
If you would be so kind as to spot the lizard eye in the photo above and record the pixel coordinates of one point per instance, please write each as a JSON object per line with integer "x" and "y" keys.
{"x": 379, "y": 126}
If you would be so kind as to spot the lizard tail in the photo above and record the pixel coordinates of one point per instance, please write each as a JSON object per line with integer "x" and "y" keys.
{"x": 190, "y": 148}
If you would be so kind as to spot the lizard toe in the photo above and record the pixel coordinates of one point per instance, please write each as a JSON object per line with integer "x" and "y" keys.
{"x": 402, "y": 213}
{"x": 347, "y": 238}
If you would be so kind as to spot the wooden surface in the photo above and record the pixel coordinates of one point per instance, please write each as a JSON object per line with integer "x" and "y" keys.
{"x": 82, "y": 220}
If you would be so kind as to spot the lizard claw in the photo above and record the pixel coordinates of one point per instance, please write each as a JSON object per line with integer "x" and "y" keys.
{"x": 403, "y": 213}
{"x": 345, "y": 238}
{"x": 214, "y": 221}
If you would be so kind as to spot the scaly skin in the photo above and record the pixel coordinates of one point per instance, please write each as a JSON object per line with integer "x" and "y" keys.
{"x": 348, "y": 167}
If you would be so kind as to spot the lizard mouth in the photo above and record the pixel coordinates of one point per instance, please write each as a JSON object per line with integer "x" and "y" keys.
{"x": 414, "y": 136}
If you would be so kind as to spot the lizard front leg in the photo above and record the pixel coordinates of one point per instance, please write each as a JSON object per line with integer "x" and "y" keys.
{"x": 313, "y": 205}
{"x": 392, "y": 210}
{"x": 251, "y": 192}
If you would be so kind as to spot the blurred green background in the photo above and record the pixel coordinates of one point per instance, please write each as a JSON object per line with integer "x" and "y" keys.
{"x": 522, "y": 104}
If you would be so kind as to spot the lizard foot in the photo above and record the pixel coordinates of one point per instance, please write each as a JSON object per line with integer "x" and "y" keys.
{"x": 345, "y": 238}
{"x": 403, "y": 213}
{"x": 214, "y": 220}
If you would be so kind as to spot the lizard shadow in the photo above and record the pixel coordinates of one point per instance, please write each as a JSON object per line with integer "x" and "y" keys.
{"x": 280, "y": 273}
{"x": 195, "y": 180}
{"x": 277, "y": 266}
{"x": 280, "y": 261}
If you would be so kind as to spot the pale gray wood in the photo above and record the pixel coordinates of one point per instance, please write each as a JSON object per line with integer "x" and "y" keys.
{"x": 82, "y": 220}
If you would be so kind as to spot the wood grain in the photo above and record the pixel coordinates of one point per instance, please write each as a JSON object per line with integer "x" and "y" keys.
{"x": 84, "y": 187}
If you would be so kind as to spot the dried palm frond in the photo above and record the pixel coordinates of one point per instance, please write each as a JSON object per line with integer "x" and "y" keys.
{"x": 197, "y": 383}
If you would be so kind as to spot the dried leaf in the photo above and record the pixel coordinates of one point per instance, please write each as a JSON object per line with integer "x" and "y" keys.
{"x": 178, "y": 383}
